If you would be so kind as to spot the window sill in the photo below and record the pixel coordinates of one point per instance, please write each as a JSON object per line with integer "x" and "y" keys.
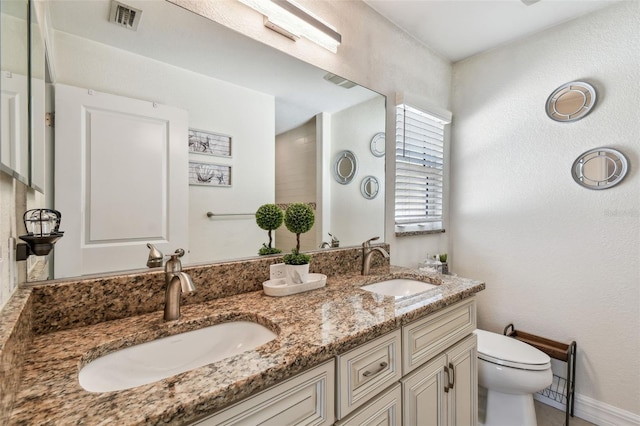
{"x": 410, "y": 233}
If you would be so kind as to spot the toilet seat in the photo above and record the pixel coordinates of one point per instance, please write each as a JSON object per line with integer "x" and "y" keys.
{"x": 507, "y": 351}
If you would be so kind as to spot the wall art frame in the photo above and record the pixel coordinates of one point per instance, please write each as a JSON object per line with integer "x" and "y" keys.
{"x": 209, "y": 143}
{"x": 209, "y": 174}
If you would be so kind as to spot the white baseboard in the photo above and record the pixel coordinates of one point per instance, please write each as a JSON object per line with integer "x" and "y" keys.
{"x": 596, "y": 412}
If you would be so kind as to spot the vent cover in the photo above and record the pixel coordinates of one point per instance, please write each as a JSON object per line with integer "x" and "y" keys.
{"x": 340, "y": 81}
{"x": 125, "y": 16}
{"x": 529, "y": 2}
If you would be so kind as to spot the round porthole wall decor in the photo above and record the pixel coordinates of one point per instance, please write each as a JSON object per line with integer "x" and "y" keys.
{"x": 599, "y": 168}
{"x": 571, "y": 101}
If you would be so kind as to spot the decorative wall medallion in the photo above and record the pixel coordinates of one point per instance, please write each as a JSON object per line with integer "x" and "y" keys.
{"x": 377, "y": 144}
{"x": 369, "y": 187}
{"x": 571, "y": 101}
{"x": 345, "y": 167}
{"x": 599, "y": 168}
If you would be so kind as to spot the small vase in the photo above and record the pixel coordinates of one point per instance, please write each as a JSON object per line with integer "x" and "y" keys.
{"x": 297, "y": 274}
{"x": 445, "y": 268}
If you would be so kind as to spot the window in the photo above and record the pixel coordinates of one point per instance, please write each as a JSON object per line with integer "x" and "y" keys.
{"x": 419, "y": 170}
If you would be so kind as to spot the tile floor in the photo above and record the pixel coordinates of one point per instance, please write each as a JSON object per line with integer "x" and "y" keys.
{"x": 550, "y": 416}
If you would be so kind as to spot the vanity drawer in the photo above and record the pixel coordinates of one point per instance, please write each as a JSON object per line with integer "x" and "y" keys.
{"x": 366, "y": 371}
{"x": 383, "y": 410}
{"x": 426, "y": 338}
{"x": 306, "y": 399}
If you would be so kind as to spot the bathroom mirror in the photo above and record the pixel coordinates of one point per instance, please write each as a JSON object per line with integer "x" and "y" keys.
{"x": 345, "y": 167}
{"x": 599, "y": 168}
{"x": 14, "y": 85}
{"x": 161, "y": 62}
{"x": 369, "y": 187}
{"x": 571, "y": 101}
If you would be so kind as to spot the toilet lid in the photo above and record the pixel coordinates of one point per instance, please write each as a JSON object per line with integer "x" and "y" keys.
{"x": 507, "y": 351}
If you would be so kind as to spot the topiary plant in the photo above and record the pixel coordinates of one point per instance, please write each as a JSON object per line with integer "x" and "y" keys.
{"x": 443, "y": 257}
{"x": 269, "y": 217}
{"x": 296, "y": 258}
{"x": 299, "y": 218}
{"x": 264, "y": 250}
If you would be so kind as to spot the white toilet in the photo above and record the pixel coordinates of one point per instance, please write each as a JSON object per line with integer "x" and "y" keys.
{"x": 511, "y": 372}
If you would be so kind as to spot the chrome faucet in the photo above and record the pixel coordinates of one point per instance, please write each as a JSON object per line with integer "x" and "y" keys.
{"x": 367, "y": 253}
{"x": 325, "y": 245}
{"x": 177, "y": 282}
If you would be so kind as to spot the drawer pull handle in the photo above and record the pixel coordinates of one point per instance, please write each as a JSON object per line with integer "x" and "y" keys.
{"x": 448, "y": 382}
{"x": 368, "y": 373}
{"x": 453, "y": 376}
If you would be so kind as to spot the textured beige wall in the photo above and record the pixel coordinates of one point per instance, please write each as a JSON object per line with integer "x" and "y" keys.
{"x": 558, "y": 259}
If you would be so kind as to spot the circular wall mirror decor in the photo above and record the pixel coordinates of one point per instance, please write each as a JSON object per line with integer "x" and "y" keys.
{"x": 369, "y": 187}
{"x": 571, "y": 101}
{"x": 377, "y": 144}
{"x": 345, "y": 167}
{"x": 599, "y": 168}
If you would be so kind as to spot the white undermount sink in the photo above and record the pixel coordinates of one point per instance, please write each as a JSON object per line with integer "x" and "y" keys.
{"x": 152, "y": 361}
{"x": 400, "y": 287}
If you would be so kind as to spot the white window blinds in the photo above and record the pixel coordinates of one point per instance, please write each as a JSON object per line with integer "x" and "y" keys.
{"x": 419, "y": 170}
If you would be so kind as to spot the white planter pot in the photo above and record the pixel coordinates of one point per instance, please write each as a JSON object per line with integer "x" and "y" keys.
{"x": 297, "y": 274}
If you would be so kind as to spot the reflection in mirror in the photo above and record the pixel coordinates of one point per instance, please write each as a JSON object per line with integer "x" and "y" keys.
{"x": 14, "y": 120}
{"x": 369, "y": 187}
{"x": 345, "y": 167}
{"x": 571, "y": 101}
{"x": 600, "y": 168}
{"x": 287, "y": 123}
{"x": 377, "y": 145}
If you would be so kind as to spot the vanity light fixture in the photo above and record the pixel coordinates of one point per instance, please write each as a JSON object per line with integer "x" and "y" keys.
{"x": 43, "y": 231}
{"x": 293, "y": 21}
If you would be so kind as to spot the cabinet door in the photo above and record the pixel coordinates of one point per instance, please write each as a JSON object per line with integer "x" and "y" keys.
{"x": 424, "y": 400}
{"x": 383, "y": 410}
{"x": 306, "y": 399}
{"x": 463, "y": 397}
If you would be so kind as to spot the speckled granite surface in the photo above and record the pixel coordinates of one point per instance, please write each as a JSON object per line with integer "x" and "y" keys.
{"x": 65, "y": 304}
{"x": 312, "y": 327}
{"x": 15, "y": 336}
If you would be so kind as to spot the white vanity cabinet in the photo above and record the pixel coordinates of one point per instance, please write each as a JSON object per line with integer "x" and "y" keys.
{"x": 444, "y": 390}
{"x": 424, "y": 373}
{"x": 305, "y": 399}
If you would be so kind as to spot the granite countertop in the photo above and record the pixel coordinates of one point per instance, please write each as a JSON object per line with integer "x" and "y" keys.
{"x": 312, "y": 327}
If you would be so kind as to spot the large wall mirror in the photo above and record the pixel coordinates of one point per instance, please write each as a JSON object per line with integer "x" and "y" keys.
{"x": 14, "y": 85}
{"x": 287, "y": 123}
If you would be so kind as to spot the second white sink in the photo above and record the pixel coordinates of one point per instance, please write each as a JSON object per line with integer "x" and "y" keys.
{"x": 399, "y": 287}
{"x": 152, "y": 361}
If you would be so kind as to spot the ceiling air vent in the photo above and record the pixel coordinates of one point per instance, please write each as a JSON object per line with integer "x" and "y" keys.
{"x": 124, "y": 15}
{"x": 336, "y": 79}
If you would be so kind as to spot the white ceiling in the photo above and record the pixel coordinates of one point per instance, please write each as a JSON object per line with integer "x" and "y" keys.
{"x": 457, "y": 29}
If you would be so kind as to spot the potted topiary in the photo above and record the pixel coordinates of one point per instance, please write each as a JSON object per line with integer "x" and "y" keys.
{"x": 269, "y": 217}
{"x": 298, "y": 218}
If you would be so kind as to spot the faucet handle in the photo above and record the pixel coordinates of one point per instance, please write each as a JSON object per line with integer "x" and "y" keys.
{"x": 368, "y": 242}
{"x": 178, "y": 253}
{"x": 155, "y": 256}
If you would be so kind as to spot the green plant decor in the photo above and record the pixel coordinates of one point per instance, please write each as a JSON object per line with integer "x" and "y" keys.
{"x": 269, "y": 217}
{"x": 299, "y": 218}
{"x": 296, "y": 258}
{"x": 443, "y": 257}
{"x": 264, "y": 250}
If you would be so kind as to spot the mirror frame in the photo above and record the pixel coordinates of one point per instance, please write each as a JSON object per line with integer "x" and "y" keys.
{"x": 343, "y": 156}
{"x": 366, "y": 182}
{"x": 613, "y": 178}
{"x": 588, "y": 102}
